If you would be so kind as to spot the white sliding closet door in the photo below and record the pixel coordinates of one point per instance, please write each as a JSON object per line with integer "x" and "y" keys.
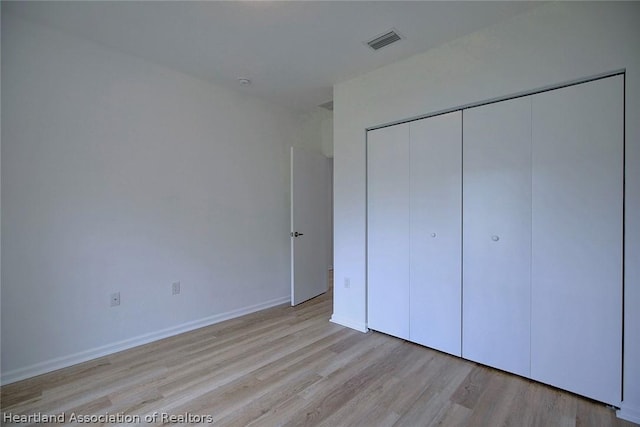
{"x": 576, "y": 331}
{"x": 388, "y": 230}
{"x": 497, "y": 234}
{"x": 436, "y": 203}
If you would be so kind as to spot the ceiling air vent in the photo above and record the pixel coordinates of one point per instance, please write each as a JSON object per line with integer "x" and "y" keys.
{"x": 384, "y": 40}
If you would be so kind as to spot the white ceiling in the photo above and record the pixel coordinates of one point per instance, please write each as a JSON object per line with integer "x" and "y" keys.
{"x": 293, "y": 51}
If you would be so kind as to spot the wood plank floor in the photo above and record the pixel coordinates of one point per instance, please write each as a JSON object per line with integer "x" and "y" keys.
{"x": 288, "y": 366}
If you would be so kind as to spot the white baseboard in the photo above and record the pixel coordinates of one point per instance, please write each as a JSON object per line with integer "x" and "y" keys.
{"x": 94, "y": 353}
{"x": 629, "y": 413}
{"x": 358, "y": 326}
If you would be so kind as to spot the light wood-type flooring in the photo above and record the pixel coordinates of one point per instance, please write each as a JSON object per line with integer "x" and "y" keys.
{"x": 289, "y": 366}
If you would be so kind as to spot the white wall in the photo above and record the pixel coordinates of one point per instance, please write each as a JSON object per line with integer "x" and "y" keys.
{"x": 330, "y": 204}
{"x": 551, "y": 44}
{"x": 317, "y": 130}
{"x": 121, "y": 175}
{"x": 317, "y": 135}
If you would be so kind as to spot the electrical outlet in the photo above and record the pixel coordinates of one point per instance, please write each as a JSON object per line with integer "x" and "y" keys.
{"x": 115, "y": 299}
{"x": 175, "y": 288}
{"x": 347, "y": 283}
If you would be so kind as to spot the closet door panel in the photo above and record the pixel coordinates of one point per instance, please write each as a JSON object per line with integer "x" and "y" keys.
{"x": 576, "y": 341}
{"x": 497, "y": 234}
{"x": 388, "y": 230}
{"x": 435, "y": 247}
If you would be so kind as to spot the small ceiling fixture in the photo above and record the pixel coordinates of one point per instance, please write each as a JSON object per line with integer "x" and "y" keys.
{"x": 243, "y": 81}
{"x": 385, "y": 39}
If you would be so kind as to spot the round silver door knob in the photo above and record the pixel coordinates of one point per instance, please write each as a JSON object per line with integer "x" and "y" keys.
{"x": 433, "y": 234}
{"x": 495, "y": 238}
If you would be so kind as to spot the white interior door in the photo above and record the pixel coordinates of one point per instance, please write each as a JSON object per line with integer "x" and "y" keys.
{"x": 576, "y": 325}
{"x": 497, "y": 235}
{"x": 436, "y": 232}
{"x": 388, "y": 230}
{"x": 309, "y": 224}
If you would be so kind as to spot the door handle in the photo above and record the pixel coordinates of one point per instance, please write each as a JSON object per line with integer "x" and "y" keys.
{"x": 296, "y": 234}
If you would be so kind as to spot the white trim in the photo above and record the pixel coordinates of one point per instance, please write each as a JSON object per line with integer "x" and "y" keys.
{"x": 358, "y": 326}
{"x": 84, "y": 356}
{"x": 503, "y": 98}
{"x": 629, "y": 413}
